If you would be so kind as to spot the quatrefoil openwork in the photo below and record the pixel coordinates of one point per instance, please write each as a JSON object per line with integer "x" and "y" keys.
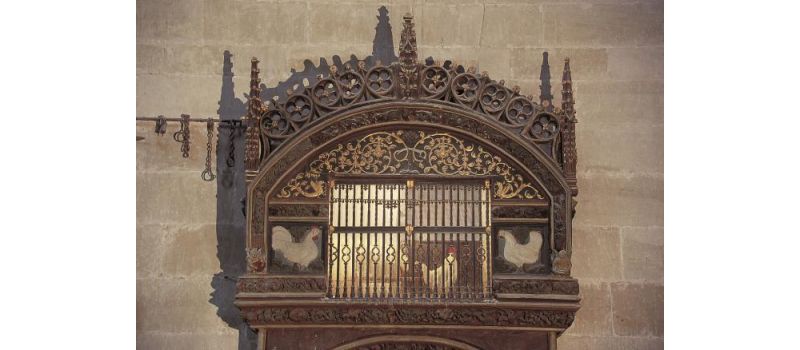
{"x": 494, "y": 97}
{"x": 544, "y": 127}
{"x": 379, "y": 81}
{"x": 326, "y": 92}
{"x": 352, "y": 86}
{"x": 465, "y": 88}
{"x": 298, "y": 108}
{"x": 274, "y": 124}
{"x": 519, "y": 111}
{"x": 434, "y": 80}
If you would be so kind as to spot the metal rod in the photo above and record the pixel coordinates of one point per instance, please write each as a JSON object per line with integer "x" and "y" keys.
{"x": 413, "y": 240}
{"x": 458, "y": 256}
{"x": 444, "y": 260}
{"x": 346, "y": 205}
{"x": 383, "y": 242}
{"x": 193, "y": 120}
{"x": 360, "y": 265}
{"x": 436, "y": 205}
{"x": 338, "y": 240}
{"x": 474, "y": 266}
{"x": 353, "y": 267}
{"x": 428, "y": 258}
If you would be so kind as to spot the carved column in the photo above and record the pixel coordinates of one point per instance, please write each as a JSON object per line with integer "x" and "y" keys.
{"x": 552, "y": 343}
{"x": 262, "y": 338}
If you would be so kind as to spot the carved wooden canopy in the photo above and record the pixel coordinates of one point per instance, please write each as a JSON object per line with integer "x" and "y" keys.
{"x": 420, "y": 119}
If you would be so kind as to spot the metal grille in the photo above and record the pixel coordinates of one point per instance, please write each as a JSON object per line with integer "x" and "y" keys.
{"x": 400, "y": 240}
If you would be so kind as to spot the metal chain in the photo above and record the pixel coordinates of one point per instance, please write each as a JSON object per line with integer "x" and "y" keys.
{"x": 182, "y": 135}
{"x": 161, "y": 125}
{"x": 207, "y": 174}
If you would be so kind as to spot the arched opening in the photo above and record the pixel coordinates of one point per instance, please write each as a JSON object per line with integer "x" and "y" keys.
{"x": 397, "y": 342}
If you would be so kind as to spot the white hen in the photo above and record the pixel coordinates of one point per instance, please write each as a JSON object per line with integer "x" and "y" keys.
{"x": 435, "y": 277}
{"x": 300, "y": 253}
{"x": 519, "y": 254}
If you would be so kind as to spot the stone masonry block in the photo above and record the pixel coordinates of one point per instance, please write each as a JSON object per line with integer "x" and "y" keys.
{"x": 149, "y": 58}
{"x": 620, "y": 200}
{"x": 327, "y": 52}
{"x": 255, "y": 22}
{"x": 174, "y": 21}
{"x": 594, "y": 317}
{"x": 618, "y": 102}
{"x": 629, "y": 147}
{"x": 585, "y": 63}
{"x": 450, "y": 25}
{"x": 512, "y": 26}
{"x": 187, "y": 341}
{"x": 159, "y": 153}
{"x": 604, "y": 25}
{"x": 353, "y": 23}
{"x": 636, "y": 63}
{"x": 643, "y": 253}
{"x": 191, "y": 250}
{"x": 177, "y": 305}
{"x": 174, "y": 197}
{"x": 463, "y": 56}
{"x": 174, "y": 95}
{"x": 638, "y": 309}
{"x": 496, "y": 62}
{"x": 573, "y": 342}
{"x": 596, "y": 253}
{"x": 149, "y": 249}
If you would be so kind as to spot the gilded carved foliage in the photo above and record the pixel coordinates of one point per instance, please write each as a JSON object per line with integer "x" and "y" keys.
{"x": 409, "y": 152}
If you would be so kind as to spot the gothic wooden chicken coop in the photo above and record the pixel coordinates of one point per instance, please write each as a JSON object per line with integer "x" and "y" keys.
{"x": 411, "y": 205}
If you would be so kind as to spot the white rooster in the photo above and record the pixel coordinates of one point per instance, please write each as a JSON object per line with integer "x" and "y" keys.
{"x": 434, "y": 277}
{"x": 300, "y": 253}
{"x": 519, "y": 254}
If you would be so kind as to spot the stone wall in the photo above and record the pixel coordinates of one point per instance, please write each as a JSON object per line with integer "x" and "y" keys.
{"x": 187, "y": 228}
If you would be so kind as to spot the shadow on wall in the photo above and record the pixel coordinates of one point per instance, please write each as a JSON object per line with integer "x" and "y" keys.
{"x": 231, "y": 188}
{"x": 382, "y": 50}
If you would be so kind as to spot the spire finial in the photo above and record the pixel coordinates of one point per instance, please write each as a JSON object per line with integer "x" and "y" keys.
{"x": 568, "y": 147}
{"x": 408, "y": 71}
{"x": 408, "y": 41}
{"x": 546, "y": 94}
{"x": 567, "y": 101}
{"x": 255, "y": 88}
{"x": 252, "y": 151}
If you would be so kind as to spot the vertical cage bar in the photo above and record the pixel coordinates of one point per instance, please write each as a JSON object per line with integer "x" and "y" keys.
{"x": 329, "y": 292}
{"x": 375, "y": 258}
{"x": 443, "y": 293}
{"x": 474, "y": 266}
{"x": 338, "y": 240}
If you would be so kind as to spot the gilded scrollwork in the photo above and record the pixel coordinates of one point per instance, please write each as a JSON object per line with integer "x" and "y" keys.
{"x": 390, "y": 153}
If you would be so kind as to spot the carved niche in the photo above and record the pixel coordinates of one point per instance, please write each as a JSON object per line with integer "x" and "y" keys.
{"x": 410, "y": 118}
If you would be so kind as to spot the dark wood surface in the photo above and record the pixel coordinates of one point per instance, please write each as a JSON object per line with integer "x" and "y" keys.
{"x": 526, "y": 148}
